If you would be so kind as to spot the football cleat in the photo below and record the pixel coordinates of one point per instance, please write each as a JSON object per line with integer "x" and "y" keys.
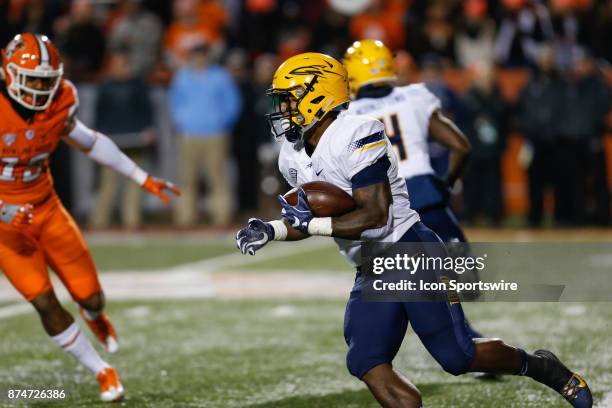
{"x": 111, "y": 389}
{"x": 575, "y": 391}
{"x": 103, "y": 329}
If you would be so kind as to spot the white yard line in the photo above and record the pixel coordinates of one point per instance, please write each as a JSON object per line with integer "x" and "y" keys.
{"x": 274, "y": 251}
{"x": 202, "y": 279}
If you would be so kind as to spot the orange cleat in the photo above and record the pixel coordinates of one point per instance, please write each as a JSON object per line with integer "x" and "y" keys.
{"x": 111, "y": 389}
{"x": 103, "y": 329}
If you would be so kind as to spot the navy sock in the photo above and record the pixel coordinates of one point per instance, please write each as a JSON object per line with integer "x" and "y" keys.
{"x": 548, "y": 371}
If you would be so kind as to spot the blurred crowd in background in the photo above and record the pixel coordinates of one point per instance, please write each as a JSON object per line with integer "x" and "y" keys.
{"x": 502, "y": 68}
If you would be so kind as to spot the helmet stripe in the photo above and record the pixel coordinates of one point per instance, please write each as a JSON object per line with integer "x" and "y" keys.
{"x": 44, "y": 52}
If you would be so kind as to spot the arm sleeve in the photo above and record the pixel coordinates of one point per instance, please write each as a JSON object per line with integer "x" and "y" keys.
{"x": 372, "y": 174}
{"x": 105, "y": 152}
{"x": 367, "y": 146}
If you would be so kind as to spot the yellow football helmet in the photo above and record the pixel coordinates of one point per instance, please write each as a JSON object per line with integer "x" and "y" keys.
{"x": 368, "y": 62}
{"x": 305, "y": 88}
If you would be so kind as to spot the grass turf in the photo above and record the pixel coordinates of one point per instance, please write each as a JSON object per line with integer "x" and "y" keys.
{"x": 262, "y": 353}
{"x": 282, "y": 353}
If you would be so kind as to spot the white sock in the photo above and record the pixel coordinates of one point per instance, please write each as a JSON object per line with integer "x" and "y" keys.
{"x": 76, "y": 343}
{"x": 91, "y": 315}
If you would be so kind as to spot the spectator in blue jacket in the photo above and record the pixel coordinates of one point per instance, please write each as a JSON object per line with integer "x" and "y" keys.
{"x": 205, "y": 104}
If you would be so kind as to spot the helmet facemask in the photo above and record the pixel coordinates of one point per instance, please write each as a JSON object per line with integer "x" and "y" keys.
{"x": 27, "y": 96}
{"x": 285, "y": 119}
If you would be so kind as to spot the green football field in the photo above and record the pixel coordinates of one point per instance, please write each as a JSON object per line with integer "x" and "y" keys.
{"x": 267, "y": 332}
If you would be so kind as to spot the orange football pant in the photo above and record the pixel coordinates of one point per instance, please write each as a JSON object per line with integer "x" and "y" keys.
{"x": 53, "y": 239}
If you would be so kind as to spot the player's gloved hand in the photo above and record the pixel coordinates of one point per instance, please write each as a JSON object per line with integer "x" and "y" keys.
{"x": 299, "y": 216}
{"x": 254, "y": 237}
{"x": 157, "y": 186}
{"x": 16, "y": 215}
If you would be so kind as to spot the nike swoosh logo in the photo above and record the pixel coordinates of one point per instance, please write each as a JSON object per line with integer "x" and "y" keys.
{"x": 319, "y": 172}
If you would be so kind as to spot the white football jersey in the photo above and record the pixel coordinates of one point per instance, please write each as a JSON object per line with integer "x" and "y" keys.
{"x": 350, "y": 144}
{"x": 405, "y": 112}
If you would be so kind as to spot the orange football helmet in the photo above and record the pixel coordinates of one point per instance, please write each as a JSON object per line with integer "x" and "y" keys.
{"x": 32, "y": 70}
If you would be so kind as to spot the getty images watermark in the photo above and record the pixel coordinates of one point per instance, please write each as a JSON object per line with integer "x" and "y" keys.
{"x": 499, "y": 271}
{"x": 441, "y": 266}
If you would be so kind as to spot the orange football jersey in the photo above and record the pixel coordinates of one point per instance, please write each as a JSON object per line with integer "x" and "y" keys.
{"x": 25, "y": 146}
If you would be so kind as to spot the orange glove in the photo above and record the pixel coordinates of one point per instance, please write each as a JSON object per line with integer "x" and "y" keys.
{"x": 16, "y": 215}
{"x": 156, "y": 186}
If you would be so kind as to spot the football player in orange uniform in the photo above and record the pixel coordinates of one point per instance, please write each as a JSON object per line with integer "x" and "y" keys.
{"x": 37, "y": 111}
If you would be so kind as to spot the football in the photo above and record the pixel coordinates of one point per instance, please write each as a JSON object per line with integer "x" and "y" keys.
{"x": 325, "y": 199}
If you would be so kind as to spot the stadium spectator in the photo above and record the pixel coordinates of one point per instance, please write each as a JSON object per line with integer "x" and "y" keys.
{"x": 244, "y": 139}
{"x": 81, "y": 40}
{"x": 123, "y": 112}
{"x": 435, "y": 35}
{"x": 27, "y": 15}
{"x": 138, "y": 31}
{"x": 255, "y": 15}
{"x": 204, "y": 105}
{"x": 486, "y": 118}
{"x": 447, "y": 32}
{"x": 585, "y": 104}
{"x": 525, "y": 28}
{"x": 272, "y": 183}
{"x": 263, "y": 71}
{"x": 194, "y": 23}
{"x": 330, "y": 35}
{"x": 406, "y": 69}
{"x": 475, "y": 39}
{"x": 538, "y": 112}
{"x": 572, "y": 31}
{"x": 452, "y": 106}
{"x": 293, "y": 41}
{"x": 381, "y": 21}
{"x": 603, "y": 31}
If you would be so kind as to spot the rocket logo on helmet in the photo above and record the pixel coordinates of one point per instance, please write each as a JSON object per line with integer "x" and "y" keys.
{"x": 305, "y": 88}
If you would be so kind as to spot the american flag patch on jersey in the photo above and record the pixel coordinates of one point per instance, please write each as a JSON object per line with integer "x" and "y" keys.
{"x": 368, "y": 142}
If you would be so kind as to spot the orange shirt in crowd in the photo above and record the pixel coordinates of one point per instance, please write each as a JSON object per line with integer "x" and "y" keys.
{"x": 385, "y": 25}
{"x": 208, "y": 28}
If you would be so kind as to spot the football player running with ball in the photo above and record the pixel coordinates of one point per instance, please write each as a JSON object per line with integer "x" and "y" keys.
{"x": 37, "y": 112}
{"x": 353, "y": 152}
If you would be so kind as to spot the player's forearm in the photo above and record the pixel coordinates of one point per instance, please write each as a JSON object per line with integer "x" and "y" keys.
{"x": 371, "y": 214}
{"x": 445, "y": 131}
{"x": 104, "y": 151}
{"x": 456, "y": 165}
{"x": 352, "y": 225}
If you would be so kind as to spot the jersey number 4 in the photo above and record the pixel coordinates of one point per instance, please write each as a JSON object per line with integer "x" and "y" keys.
{"x": 34, "y": 170}
{"x": 394, "y": 133}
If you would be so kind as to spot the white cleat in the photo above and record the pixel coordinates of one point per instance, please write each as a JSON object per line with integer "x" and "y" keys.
{"x": 111, "y": 389}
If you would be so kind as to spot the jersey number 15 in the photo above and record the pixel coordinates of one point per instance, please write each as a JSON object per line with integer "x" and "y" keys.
{"x": 34, "y": 170}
